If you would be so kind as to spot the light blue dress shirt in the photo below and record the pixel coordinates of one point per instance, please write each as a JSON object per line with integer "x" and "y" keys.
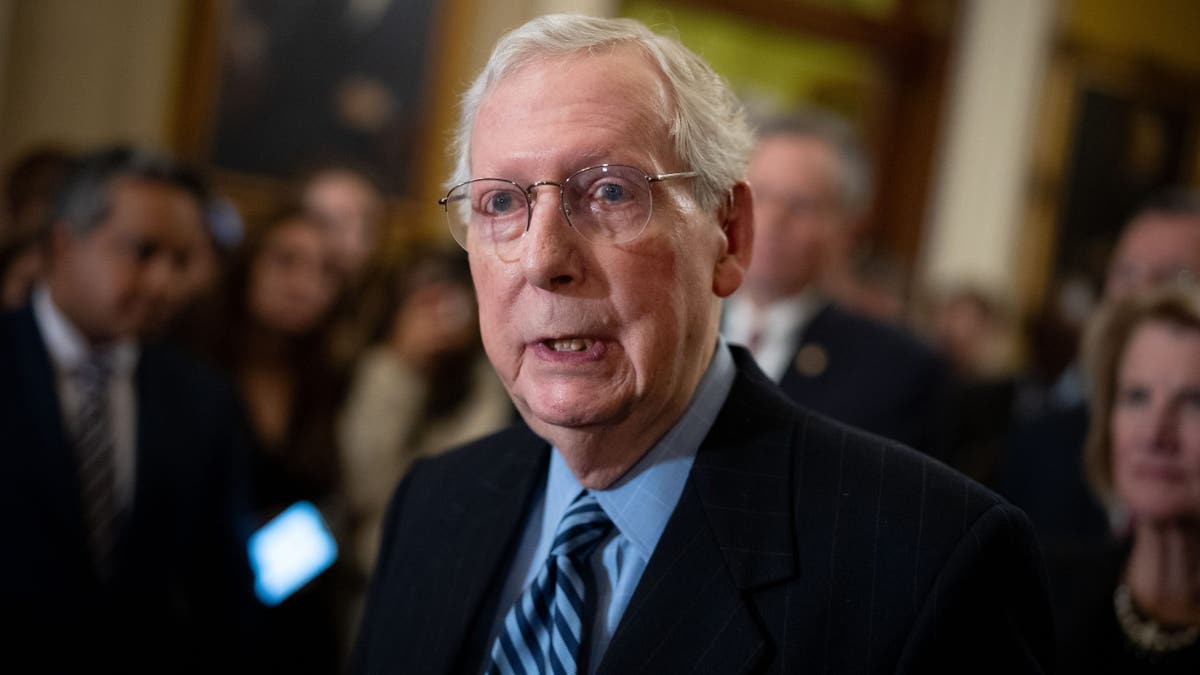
{"x": 639, "y": 505}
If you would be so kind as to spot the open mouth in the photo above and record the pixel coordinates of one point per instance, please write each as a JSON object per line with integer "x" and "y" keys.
{"x": 569, "y": 344}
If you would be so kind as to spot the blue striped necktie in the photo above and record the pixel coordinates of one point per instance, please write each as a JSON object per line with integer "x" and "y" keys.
{"x": 543, "y": 631}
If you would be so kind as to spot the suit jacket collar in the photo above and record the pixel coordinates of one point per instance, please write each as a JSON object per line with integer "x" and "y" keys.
{"x": 488, "y": 518}
{"x": 56, "y": 461}
{"x": 732, "y": 532}
{"x": 35, "y": 375}
{"x": 50, "y": 458}
{"x": 742, "y": 477}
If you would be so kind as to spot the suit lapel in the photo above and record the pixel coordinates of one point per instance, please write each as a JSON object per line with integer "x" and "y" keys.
{"x": 732, "y": 532}
{"x": 157, "y": 445}
{"x": 51, "y": 455}
{"x": 812, "y": 357}
{"x": 487, "y": 520}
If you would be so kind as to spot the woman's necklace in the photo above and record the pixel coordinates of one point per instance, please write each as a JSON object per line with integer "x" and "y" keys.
{"x": 1145, "y": 633}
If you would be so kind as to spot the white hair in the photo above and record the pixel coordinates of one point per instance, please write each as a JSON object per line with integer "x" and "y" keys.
{"x": 707, "y": 123}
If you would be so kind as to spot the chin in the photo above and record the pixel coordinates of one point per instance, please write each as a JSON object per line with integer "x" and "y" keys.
{"x": 559, "y": 414}
{"x": 1163, "y": 509}
{"x": 562, "y": 417}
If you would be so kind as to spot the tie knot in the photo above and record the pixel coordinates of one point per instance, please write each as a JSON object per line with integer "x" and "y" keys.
{"x": 581, "y": 528}
{"x": 96, "y": 369}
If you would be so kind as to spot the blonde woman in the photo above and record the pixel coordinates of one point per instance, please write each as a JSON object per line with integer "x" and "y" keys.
{"x": 1137, "y": 608}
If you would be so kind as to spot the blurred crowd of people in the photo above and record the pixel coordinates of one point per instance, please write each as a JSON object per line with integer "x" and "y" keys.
{"x": 346, "y": 365}
{"x": 345, "y": 368}
{"x": 1096, "y": 436}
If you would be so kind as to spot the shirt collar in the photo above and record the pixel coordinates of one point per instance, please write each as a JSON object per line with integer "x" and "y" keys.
{"x": 781, "y": 319}
{"x": 68, "y": 348}
{"x": 641, "y": 501}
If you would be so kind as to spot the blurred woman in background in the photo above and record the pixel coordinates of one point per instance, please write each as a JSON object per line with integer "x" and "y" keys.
{"x": 280, "y": 293}
{"x": 281, "y": 290}
{"x": 1136, "y": 607}
{"x": 350, "y": 204}
{"x": 423, "y": 387}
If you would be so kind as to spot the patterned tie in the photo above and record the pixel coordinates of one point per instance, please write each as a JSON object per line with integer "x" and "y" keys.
{"x": 95, "y": 454}
{"x": 544, "y": 629}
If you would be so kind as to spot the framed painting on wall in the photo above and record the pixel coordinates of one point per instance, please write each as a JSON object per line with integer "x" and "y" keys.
{"x": 272, "y": 88}
{"x": 303, "y": 82}
{"x": 1113, "y": 132}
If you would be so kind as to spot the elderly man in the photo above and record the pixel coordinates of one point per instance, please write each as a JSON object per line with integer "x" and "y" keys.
{"x": 119, "y": 492}
{"x": 664, "y": 508}
{"x": 811, "y": 184}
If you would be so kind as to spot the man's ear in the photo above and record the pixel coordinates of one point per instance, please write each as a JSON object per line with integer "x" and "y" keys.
{"x": 737, "y": 224}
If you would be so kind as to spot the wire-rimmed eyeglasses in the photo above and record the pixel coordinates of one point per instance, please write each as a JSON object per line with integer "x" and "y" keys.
{"x": 607, "y": 203}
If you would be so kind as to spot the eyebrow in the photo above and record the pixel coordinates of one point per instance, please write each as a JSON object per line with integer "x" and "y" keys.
{"x": 593, "y": 156}
{"x": 597, "y": 156}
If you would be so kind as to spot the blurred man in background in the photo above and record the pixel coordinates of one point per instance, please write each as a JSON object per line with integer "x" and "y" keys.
{"x": 119, "y": 482}
{"x": 811, "y": 185}
{"x": 1161, "y": 245}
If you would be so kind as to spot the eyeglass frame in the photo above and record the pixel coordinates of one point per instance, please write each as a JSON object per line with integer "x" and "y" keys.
{"x": 444, "y": 202}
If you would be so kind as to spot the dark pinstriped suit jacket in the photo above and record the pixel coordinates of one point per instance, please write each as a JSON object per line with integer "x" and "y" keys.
{"x": 180, "y": 599}
{"x": 798, "y": 545}
{"x": 875, "y": 377}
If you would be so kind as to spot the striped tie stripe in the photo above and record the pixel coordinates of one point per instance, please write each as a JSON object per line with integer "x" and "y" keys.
{"x": 95, "y": 454}
{"x": 544, "y": 628}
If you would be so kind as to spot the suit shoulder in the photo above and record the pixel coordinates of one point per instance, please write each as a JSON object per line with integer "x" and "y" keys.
{"x": 189, "y": 389}
{"x": 465, "y": 461}
{"x": 884, "y": 339}
{"x": 12, "y": 324}
{"x": 175, "y": 365}
{"x": 7, "y": 319}
{"x": 8, "y": 341}
{"x": 910, "y": 486}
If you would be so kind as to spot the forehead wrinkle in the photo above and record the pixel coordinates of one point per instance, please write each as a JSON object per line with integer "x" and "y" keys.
{"x": 648, "y": 123}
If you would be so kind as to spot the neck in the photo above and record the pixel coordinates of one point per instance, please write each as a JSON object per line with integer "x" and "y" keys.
{"x": 763, "y": 295}
{"x": 599, "y": 458}
{"x": 1163, "y": 572}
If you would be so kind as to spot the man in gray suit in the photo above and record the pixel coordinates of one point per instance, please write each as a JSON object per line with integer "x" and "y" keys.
{"x": 664, "y": 507}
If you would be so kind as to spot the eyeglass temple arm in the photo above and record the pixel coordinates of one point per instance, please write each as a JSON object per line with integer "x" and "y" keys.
{"x": 669, "y": 176}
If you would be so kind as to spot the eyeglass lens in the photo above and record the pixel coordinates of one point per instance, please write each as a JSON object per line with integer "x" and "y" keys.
{"x": 604, "y": 204}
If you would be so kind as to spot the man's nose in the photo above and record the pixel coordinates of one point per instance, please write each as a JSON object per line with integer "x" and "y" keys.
{"x": 550, "y": 256}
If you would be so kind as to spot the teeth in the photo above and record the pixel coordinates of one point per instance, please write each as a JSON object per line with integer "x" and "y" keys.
{"x": 571, "y": 345}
